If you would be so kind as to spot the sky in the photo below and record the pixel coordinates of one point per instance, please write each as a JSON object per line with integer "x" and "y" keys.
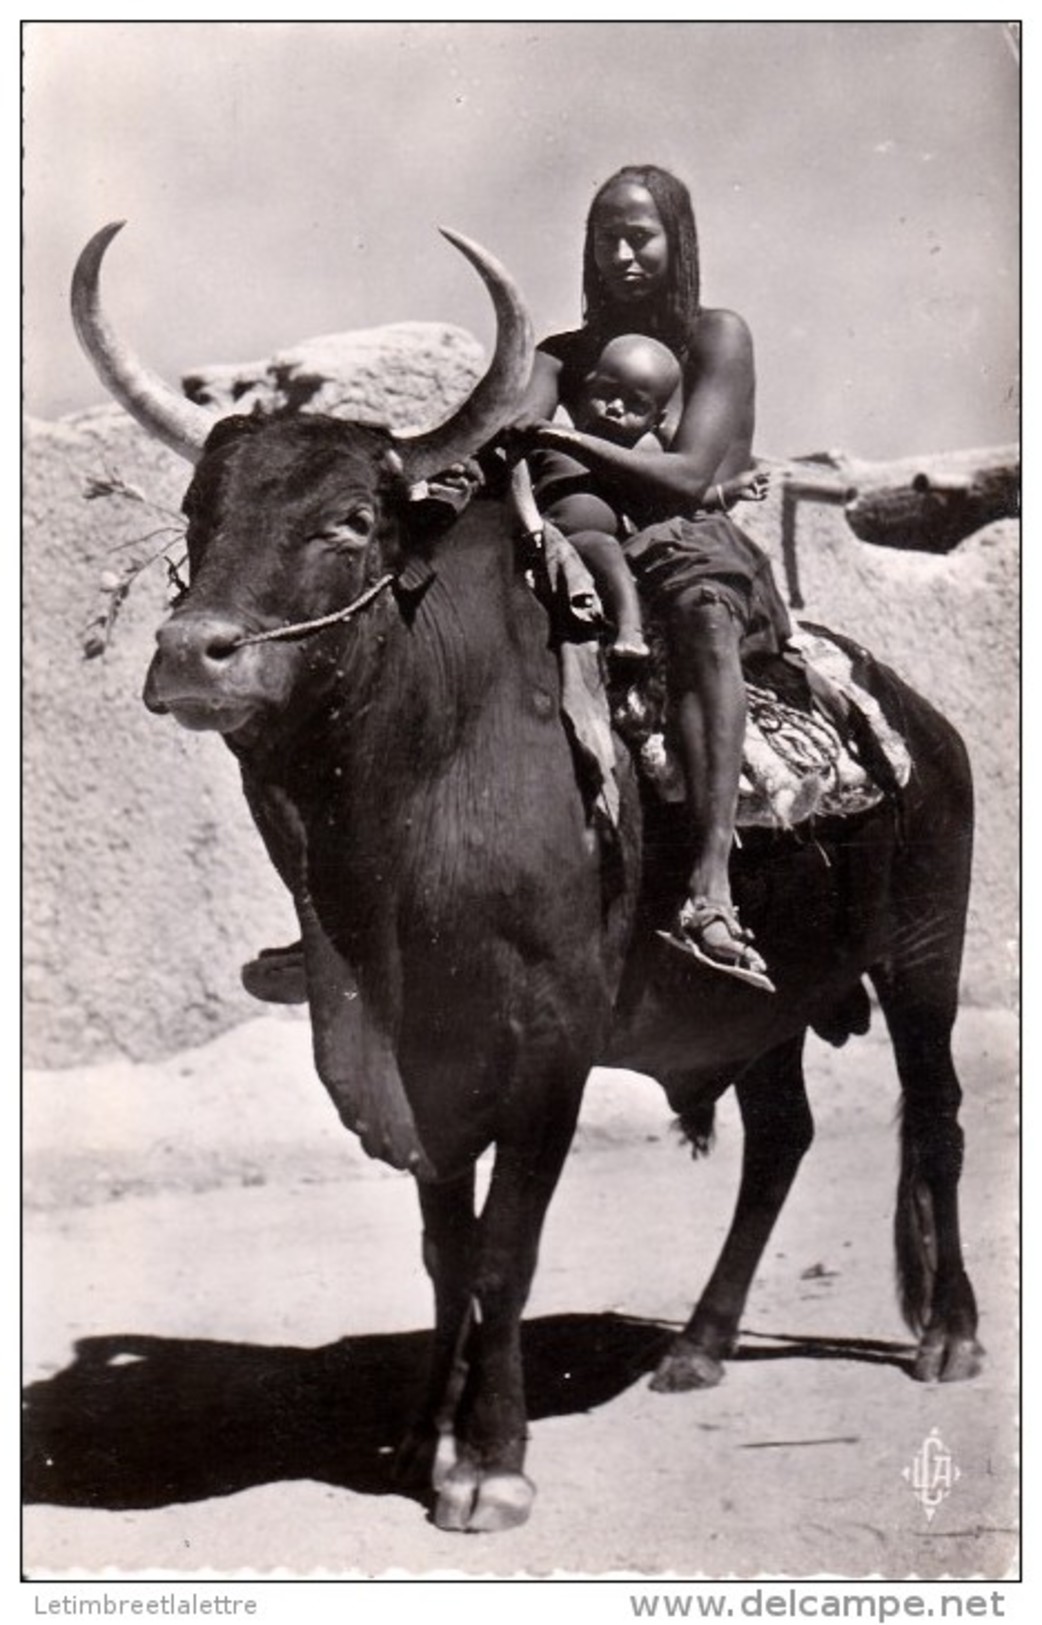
{"x": 856, "y": 187}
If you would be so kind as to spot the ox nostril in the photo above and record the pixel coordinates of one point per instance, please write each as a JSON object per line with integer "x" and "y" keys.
{"x": 222, "y": 645}
{"x": 199, "y": 641}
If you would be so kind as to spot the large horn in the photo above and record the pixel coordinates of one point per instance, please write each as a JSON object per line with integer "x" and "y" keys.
{"x": 494, "y": 400}
{"x": 177, "y": 422}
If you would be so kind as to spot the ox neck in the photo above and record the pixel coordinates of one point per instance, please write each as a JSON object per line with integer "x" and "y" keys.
{"x": 399, "y": 690}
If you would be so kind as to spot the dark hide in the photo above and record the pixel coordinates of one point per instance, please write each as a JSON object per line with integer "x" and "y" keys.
{"x": 473, "y": 947}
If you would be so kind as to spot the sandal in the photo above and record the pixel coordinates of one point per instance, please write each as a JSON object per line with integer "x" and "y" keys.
{"x": 277, "y": 975}
{"x": 736, "y": 958}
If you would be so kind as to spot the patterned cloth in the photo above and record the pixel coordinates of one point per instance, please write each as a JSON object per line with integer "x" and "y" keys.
{"x": 798, "y": 762}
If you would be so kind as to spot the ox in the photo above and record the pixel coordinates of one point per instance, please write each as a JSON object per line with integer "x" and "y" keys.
{"x": 472, "y": 946}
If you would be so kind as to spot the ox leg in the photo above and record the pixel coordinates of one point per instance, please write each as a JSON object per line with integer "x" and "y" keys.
{"x": 937, "y": 1299}
{"x": 449, "y": 1240}
{"x": 778, "y": 1130}
{"x": 487, "y": 1488}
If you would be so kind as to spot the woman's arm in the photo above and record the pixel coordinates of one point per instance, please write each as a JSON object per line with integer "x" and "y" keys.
{"x": 542, "y": 396}
{"x": 713, "y": 439}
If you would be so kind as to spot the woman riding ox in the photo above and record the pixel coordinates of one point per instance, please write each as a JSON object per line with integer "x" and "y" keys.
{"x": 710, "y": 587}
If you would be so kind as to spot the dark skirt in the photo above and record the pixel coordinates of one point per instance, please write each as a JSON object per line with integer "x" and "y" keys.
{"x": 709, "y": 560}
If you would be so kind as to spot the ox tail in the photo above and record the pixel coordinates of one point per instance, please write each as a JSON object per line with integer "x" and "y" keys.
{"x": 693, "y": 1097}
{"x": 696, "y": 1125}
{"x": 915, "y": 1236}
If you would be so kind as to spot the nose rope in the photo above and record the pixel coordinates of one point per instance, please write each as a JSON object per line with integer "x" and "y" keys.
{"x": 303, "y": 629}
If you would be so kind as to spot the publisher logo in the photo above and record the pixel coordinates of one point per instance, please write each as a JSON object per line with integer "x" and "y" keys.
{"x": 932, "y": 1473}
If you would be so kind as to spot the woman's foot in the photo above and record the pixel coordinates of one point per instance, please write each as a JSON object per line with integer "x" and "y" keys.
{"x": 711, "y": 933}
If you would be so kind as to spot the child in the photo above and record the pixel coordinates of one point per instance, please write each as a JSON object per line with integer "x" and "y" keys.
{"x": 624, "y": 400}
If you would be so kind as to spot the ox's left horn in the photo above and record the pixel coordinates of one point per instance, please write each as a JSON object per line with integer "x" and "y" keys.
{"x": 165, "y": 414}
{"x": 496, "y": 398}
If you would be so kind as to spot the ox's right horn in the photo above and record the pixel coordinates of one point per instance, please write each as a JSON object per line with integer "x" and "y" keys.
{"x": 165, "y": 414}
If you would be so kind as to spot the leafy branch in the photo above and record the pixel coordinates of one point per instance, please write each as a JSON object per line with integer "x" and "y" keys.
{"x": 113, "y": 584}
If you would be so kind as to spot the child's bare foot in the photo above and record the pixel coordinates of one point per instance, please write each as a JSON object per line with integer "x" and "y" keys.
{"x": 629, "y": 648}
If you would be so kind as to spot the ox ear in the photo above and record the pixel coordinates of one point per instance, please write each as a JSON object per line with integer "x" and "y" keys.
{"x": 398, "y": 483}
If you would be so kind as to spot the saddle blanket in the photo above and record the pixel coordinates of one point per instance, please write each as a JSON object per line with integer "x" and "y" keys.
{"x": 799, "y": 762}
{"x": 803, "y": 758}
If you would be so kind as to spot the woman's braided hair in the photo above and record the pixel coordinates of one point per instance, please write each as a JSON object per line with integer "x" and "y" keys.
{"x": 675, "y": 312}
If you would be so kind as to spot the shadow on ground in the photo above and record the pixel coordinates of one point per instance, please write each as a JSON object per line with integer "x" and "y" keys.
{"x": 143, "y": 1422}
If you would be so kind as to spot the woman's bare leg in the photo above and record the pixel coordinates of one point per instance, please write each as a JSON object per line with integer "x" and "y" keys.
{"x": 709, "y": 695}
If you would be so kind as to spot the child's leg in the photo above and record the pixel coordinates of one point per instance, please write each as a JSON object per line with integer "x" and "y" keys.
{"x": 591, "y": 527}
{"x": 606, "y": 562}
{"x": 579, "y": 511}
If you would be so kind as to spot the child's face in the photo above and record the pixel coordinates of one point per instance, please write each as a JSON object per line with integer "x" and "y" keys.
{"x": 623, "y": 400}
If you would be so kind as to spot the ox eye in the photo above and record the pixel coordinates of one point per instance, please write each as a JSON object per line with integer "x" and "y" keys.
{"x": 351, "y": 530}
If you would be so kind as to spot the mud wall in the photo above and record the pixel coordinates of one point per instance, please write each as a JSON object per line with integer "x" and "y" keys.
{"x": 950, "y": 626}
{"x": 146, "y": 885}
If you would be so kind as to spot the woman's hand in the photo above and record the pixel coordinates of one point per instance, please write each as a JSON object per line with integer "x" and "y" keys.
{"x": 554, "y": 437}
{"x": 528, "y": 432}
{"x": 527, "y": 423}
{"x": 752, "y": 486}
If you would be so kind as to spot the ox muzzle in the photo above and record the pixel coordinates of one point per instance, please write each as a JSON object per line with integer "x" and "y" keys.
{"x": 207, "y": 679}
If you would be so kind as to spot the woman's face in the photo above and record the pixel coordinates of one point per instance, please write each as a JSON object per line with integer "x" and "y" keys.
{"x": 630, "y": 248}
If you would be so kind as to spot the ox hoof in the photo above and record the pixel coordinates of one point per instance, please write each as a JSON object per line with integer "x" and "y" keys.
{"x": 474, "y": 1503}
{"x": 942, "y": 1359}
{"x": 456, "y": 1495}
{"x": 504, "y": 1501}
{"x": 685, "y": 1367}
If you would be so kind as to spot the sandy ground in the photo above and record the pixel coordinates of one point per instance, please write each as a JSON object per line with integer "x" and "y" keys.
{"x": 225, "y": 1316}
